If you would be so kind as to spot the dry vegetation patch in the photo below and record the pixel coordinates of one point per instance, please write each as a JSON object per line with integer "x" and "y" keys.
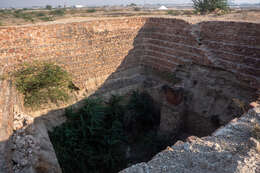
{"x": 29, "y": 16}
{"x": 42, "y": 83}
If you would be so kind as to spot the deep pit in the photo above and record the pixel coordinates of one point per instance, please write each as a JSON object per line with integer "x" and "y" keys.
{"x": 199, "y": 78}
{"x": 195, "y": 100}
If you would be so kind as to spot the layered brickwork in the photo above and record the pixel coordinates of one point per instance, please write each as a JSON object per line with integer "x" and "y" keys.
{"x": 98, "y": 48}
{"x": 87, "y": 49}
{"x": 227, "y": 45}
{"x": 235, "y": 47}
{"x": 168, "y": 43}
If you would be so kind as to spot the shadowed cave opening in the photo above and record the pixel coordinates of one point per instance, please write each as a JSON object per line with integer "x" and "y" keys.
{"x": 193, "y": 101}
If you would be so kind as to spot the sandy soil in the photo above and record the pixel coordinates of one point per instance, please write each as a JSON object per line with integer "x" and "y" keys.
{"x": 252, "y": 16}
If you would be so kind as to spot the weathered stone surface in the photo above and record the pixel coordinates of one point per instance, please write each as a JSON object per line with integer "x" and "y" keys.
{"x": 32, "y": 151}
{"x": 230, "y": 149}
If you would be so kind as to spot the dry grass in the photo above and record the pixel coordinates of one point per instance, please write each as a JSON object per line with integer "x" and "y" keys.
{"x": 22, "y": 17}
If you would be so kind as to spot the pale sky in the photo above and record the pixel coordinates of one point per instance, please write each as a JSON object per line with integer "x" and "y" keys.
{"x": 30, "y": 3}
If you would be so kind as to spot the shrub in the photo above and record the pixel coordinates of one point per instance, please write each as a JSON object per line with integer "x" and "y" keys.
{"x": 90, "y": 139}
{"x": 48, "y": 7}
{"x": 46, "y": 18}
{"x": 141, "y": 115}
{"x": 137, "y": 9}
{"x": 41, "y": 83}
{"x": 132, "y": 5}
{"x": 95, "y": 137}
{"x": 205, "y": 6}
{"x": 58, "y": 12}
{"x": 92, "y": 10}
{"x": 21, "y": 14}
{"x": 40, "y": 14}
{"x": 173, "y": 12}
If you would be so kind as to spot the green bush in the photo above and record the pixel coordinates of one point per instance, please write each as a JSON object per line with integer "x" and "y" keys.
{"x": 23, "y": 15}
{"x": 137, "y": 9}
{"x": 47, "y": 18}
{"x": 58, "y": 12}
{"x": 92, "y": 10}
{"x": 40, "y": 14}
{"x": 141, "y": 113}
{"x": 205, "y": 6}
{"x": 94, "y": 139}
{"x": 173, "y": 12}
{"x": 41, "y": 83}
{"x": 90, "y": 139}
{"x": 48, "y": 7}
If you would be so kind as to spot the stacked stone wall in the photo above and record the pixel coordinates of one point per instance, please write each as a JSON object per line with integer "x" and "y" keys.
{"x": 228, "y": 45}
{"x": 87, "y": 49}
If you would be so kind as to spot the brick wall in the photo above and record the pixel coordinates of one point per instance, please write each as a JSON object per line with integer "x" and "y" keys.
{"x": 232, "y": 46}
{"x": 235, "y": 47}
{"x": 168, "y": 43}
{"x": 86, "y": 49}
{"x": 98, "y": 48}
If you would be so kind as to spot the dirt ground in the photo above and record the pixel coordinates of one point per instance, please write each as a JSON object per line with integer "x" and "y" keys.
{"x": 28, "y": 17}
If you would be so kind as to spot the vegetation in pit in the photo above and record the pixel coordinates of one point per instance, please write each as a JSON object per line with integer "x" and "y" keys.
{"x": 96, "y": 137}
{"x": 207, "y": 6}
{"x": 42, "y": 82}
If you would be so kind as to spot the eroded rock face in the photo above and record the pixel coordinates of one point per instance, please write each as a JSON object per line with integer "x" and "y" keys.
{"x": 31, "y": 148}
{"x": 230, "y": 149}
{"x": 23, "y": 144}
{"x": 204, "y": 99}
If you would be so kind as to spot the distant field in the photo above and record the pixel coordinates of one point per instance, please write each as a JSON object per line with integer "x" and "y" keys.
{"x": 30, "y": 16}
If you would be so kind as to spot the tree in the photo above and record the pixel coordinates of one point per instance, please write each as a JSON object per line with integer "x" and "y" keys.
{"x": 48, "y": 7}
{"x": 132, "y": 5}
{"x": 205, "y": 6}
